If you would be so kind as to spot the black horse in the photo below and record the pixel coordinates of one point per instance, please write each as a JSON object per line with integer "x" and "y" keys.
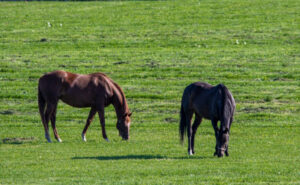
{"x": 215, "y": 103}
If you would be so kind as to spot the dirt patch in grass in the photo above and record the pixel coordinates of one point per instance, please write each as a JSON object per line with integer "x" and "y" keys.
{"x": 7, "y": 112}
{"x": 171, "y": 120}
{"x": 258, "y": 109}
{"x": 18, "y": 140}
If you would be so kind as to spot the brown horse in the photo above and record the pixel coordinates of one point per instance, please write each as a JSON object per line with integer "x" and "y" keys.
{"x": 215, "y": 103}
{"x": 93, "y": 90}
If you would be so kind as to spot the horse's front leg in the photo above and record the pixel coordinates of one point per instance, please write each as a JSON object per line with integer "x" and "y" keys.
{"x": 226, "y": 150}
{"x": 88, "y": 122}
{"x": 102, "y": 121}
{"x": 216, "y": 129}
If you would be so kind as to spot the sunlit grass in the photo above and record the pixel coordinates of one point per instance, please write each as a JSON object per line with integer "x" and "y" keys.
{"x": 153, "y": 50}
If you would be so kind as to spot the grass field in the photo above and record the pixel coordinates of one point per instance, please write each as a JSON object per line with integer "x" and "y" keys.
{"x": 153, "y": 49}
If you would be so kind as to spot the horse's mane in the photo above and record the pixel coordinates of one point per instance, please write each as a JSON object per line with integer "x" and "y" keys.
{"x": 118, "y": 92}
{"x": 121, "y": 93}
{"x": 228, "y": 103}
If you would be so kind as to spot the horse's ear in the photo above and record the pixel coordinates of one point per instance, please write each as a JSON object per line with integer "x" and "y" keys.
{"x": 129, "y": 114}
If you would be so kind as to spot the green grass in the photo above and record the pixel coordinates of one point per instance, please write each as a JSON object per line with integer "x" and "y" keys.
{"x": 153, "y": 49}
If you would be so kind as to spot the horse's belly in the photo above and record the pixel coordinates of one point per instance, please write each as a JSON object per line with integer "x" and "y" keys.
{"x": 77, "y": 99}
{"x": 202, "y": 107}
{"x": 74, "y": 102}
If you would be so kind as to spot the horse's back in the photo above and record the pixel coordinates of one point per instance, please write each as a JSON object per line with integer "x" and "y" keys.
{"x": 206, "y": 100}
{"x": 198, "y": 89}
{"x": 55, "y": 84}
{"x": 194, "y": 97}
{"x": 77, "y": 90}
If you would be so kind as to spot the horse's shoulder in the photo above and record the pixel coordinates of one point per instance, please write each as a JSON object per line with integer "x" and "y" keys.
{"x": 221, "y": 86}
{"x": 100, "y": 77}
{"x": 101, "y": 80}
{"x": 98, "y": 74}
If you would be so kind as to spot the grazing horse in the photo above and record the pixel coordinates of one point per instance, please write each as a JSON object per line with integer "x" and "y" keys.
{"x": 215, "y": 103}
{"x": 93, "y": 90}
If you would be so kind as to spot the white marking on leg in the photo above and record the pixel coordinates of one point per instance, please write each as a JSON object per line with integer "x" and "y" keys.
{"x": 190, "y": 152}
{"x": 83, "y": 137}
{"x": 59, "y": 140}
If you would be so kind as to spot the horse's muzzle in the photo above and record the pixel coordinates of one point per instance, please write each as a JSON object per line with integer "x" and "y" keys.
{"x": 221, "y": 152}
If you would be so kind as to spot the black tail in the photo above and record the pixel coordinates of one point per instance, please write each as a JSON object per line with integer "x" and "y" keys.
{"x": 183, "y": 119}
{"x": 42, "y": 105}
{"x": 183, "y": 124}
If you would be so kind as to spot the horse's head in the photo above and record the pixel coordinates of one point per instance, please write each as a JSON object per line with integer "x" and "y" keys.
{"x": 123, "y": 125}
{"x": 223, "y": 142}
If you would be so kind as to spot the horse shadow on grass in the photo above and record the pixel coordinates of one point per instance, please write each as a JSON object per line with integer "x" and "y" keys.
{"x": 139, "y": 157}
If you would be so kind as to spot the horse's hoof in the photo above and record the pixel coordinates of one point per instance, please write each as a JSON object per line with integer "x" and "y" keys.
{"x": 215, "y": 154}
{"x": 190, "y": 153}
{"x": 106, "y": 139}
{"x": 48, "y": 139}
{"x": 59, "y": 140}
{"x": 83, "y": 137}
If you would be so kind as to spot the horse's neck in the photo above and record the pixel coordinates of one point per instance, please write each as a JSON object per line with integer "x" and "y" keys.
{"x": 120, "y": 104}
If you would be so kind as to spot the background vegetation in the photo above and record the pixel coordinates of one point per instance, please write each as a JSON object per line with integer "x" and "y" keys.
{"x": 153, "y": 49}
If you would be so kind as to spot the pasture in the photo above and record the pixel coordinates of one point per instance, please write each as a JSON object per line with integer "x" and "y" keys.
{"x": 153, "y": 50}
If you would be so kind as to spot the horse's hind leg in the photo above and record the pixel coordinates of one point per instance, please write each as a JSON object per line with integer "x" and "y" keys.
{"x": 46, "y": 127}
{"x": 88, "y": 122}
{"x": 42, "y": 105}
{"x": 196, "y": 124}
{"x": 53, "y": 120}
{"x": 100, "y": 110}
{"x": 48, "y": 114}
{"x": 189, "y": 132}
{"x": 215, "y": 126}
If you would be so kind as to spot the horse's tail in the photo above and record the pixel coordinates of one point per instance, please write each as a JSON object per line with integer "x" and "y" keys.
{"x": 183, "y": 124}
{"x": 42, "y": 104}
